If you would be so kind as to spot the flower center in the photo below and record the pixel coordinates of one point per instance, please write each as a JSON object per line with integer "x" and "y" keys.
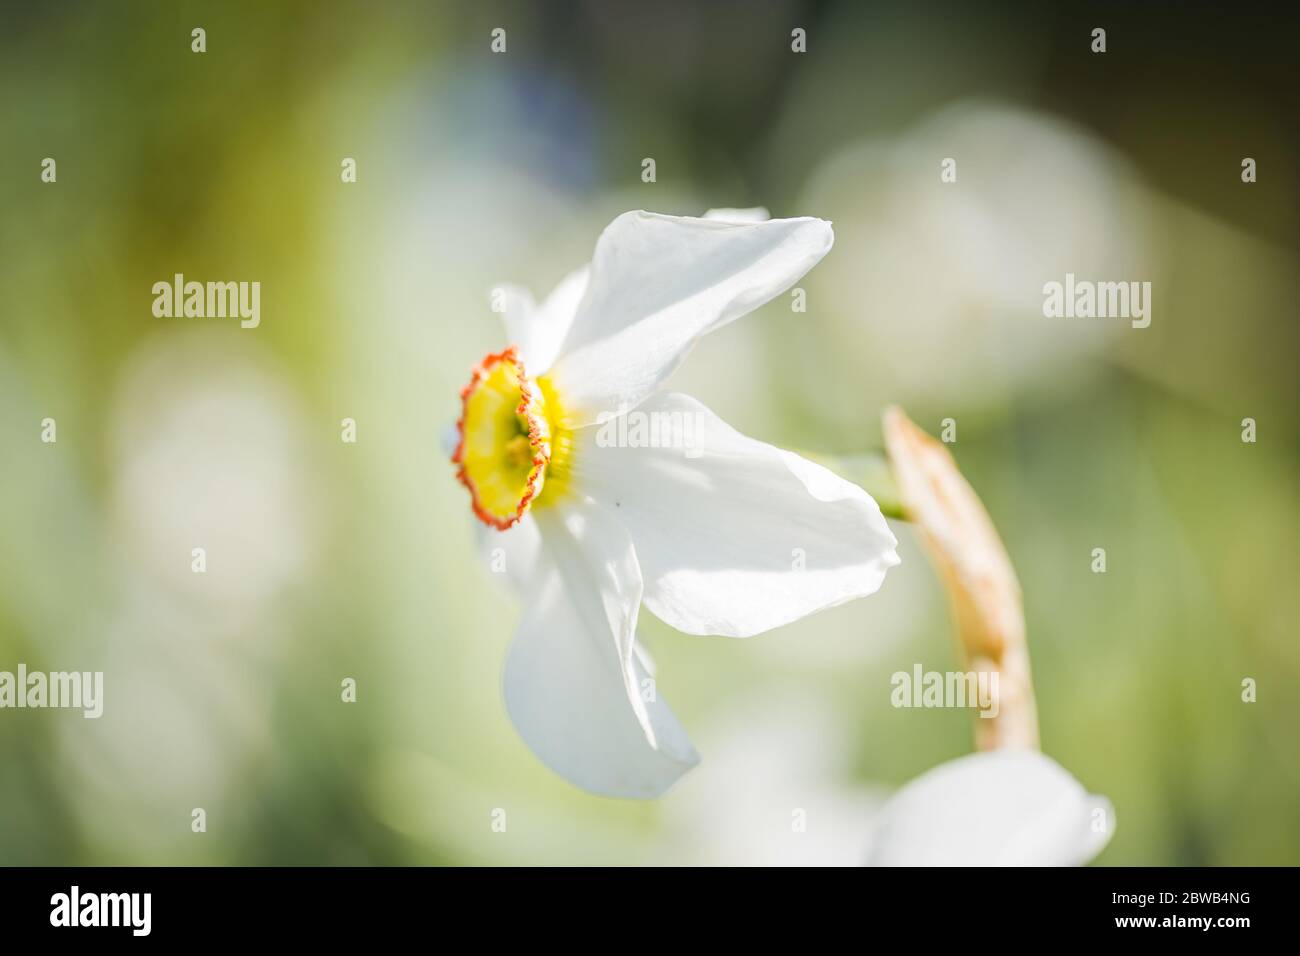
{"x": 509, "y": 445}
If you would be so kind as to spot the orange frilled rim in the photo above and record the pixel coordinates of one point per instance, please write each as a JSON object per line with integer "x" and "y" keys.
{"x": 538, "y": 438}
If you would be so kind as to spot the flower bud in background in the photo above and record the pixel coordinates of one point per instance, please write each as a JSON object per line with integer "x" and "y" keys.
{"x": 973, "y": 564}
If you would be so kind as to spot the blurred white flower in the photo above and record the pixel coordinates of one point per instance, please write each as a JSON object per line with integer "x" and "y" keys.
{"x": 951, "y": 274}
{"x": 777, "y": 790}
{"x": 999, "y": 808}
{"x": 183, "y": 726}
{"x": 207, "y": 450}
{"x": 727, "y": 536}
{"x": 209, "y": 453}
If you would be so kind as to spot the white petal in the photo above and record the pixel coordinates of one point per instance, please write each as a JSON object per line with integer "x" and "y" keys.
{"x": 539, "y": 331}
{"x": 733, "y": 535}
{"x": 518, "y": 310}
{"x": 753, "y": 214}
{"x": 573, "y": 683}
{"x": 997, "y": 808}
{"x": 513, "y": 554}
{"x": 660, "y": 282}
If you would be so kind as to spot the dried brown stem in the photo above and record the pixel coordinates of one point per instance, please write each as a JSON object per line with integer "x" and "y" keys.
{"x": 969, "y": 556}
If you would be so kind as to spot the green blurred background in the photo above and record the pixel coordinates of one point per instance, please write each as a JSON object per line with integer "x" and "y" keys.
{"x": 329, "y": 560}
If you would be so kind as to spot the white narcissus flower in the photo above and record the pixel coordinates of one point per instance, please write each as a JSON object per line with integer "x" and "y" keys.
{"x": 704, "y": 531}
{"x": 997, "y": 808}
